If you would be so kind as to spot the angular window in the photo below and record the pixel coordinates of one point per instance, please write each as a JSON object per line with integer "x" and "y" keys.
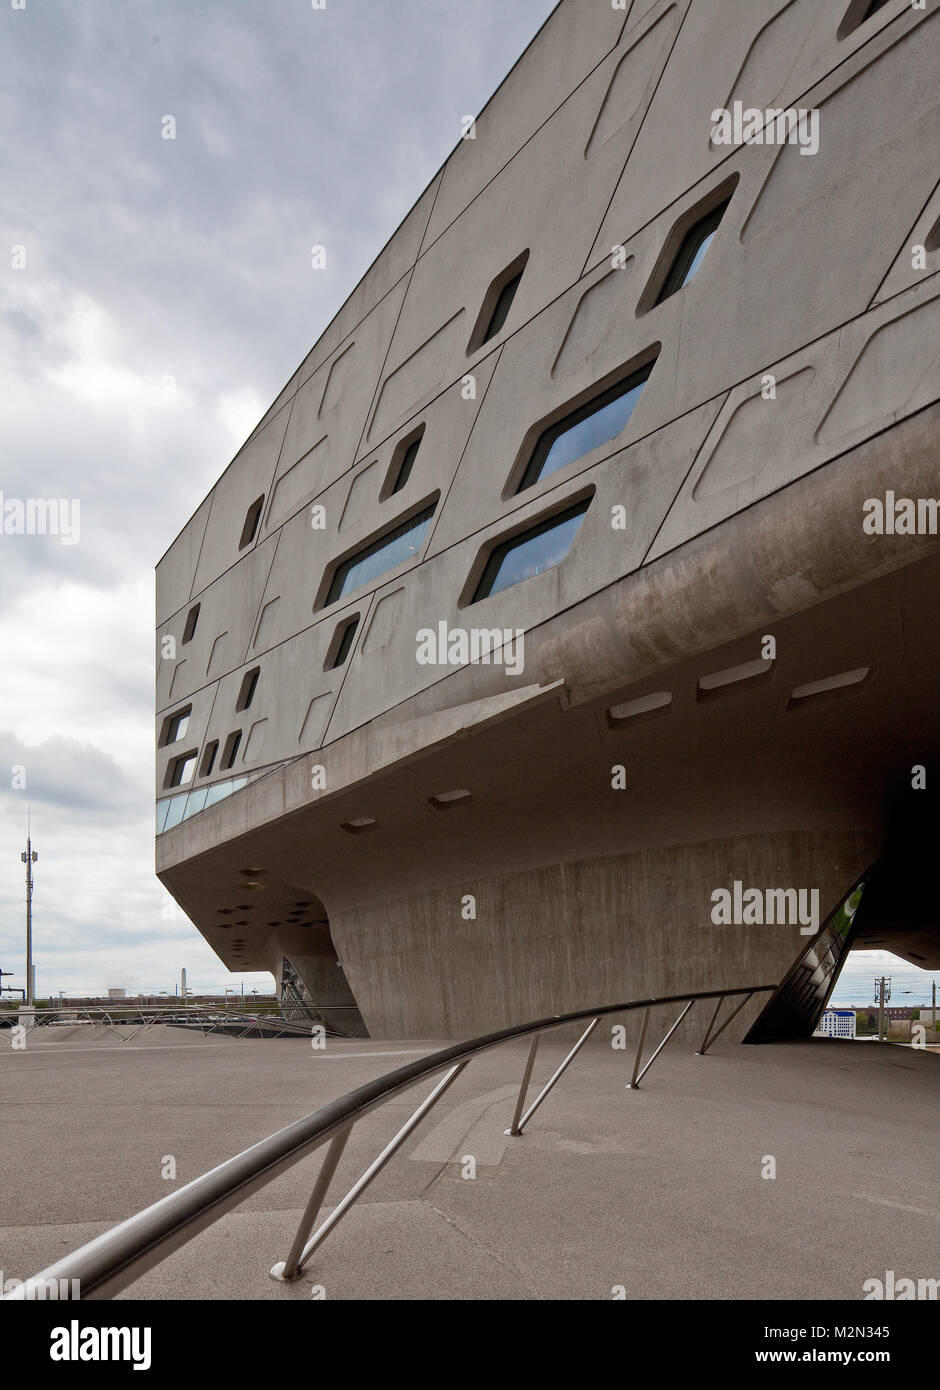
{"x": 497, "y": 302}
{"x": 247, "y": 692}
{"x": 182, "y": 769}
{"x": 856, "y": 15}
{"x": 208, "y": 758}
{"x": 597, "y": 422}
{"x": 692, "y": 252}
{"x": 252, "y": 522}
{"x": 192, "y": 619}
{"x": 230, "y": 751}
{"x": 403, "y": 461}
{"x": 392, "y": 549}
{"x": 541, "y": 548}
{"x": 341, "y": 645}
{"x": 176, "y": 808}
{"x": 932, "y": 240}
{"x": 175, "y": 726}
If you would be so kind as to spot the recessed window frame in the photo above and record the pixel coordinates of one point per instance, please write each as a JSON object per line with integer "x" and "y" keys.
{"x": 491, "y": 556}
{"x": 230, "y": 751}
{"x": 331, "y": 586}
{"x": 189, "y": 630}
{"x": 859, "y": 13}
{"x": 209, "y": 755}
{"x": 342, "y": 642}
{"x": 174, "y": 728}
{"x": 247, "y": 690}
{"x": 720, "y": 197}
{"x": 932, "y": 239}
{"x": 528, "y": 474}
{"x": 252, "y": 523}
{"x": 494, "y": 311}
{"x": 402, "y": 465}
{"x": 176, "y": 769}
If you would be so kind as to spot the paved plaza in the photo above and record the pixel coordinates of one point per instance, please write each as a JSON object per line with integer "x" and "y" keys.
{"x": 658, "y": 1192}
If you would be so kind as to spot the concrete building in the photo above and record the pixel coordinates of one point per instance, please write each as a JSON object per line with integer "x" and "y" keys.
{"x": 587, "y": 568}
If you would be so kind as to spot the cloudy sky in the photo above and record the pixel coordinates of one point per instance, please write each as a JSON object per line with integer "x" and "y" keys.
{"x": 166, "y": 297}
{"x": 156, "y": 296}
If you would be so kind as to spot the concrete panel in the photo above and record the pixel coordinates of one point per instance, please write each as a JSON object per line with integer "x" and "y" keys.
{"x": 634, "y": 77}
{"x": 302, "y": 480}
{"x": 342, "y": 422}
{"x": 574, "y": 39}
{"x": 390, "y": 268}
{"x": 907, "y": 270}
{"x": 176, "y": 572}
{"x": 805, "y": 426}
{"x": 628, "y": 926}
{"x": 417, "y": 378}
{"x": 522, "y": 201}
{"x": 896, "y": 374}
{"x": 248, "y": 478}
{"x": 593, "y": 319}
{"x": 303, "y": 553}
{"x": 772, "y": 55}
{"x": 643, "y": 479}
{"x": 228, "y": 611}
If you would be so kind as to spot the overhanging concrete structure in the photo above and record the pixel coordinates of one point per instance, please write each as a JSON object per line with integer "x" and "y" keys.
{"x": 770, "y": 315}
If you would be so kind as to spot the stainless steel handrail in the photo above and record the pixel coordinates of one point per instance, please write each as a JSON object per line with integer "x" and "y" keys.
{"x": 107, "y": 1264}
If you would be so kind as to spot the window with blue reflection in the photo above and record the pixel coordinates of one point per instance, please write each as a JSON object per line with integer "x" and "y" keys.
{"x": 176, "y": 726}
{"x": 176, "y": 809}
{"x": 533, "y": 552}
{"x": 177, "y": 806}
{"x": 223, "y": 789}
{"x": 195, "y": 802}
{"x": 591, "y": 425}
{"x": 183, "y": 770}
{"x": 387, "y": 553}
{"x": 692, "y": 252}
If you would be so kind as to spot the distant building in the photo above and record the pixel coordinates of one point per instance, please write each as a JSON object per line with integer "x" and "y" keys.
{"x": 117, "y": 993}
{"x": 838, "y": 1023}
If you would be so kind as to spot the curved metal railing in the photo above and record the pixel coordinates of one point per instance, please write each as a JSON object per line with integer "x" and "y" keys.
{"x": 111, "y": 1261}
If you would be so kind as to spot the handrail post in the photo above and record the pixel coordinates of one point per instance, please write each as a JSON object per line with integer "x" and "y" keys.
{"x": 734, "y": 1013}
{"x": 372, "y": 1172}
{"x": 524, "y": 1086}
{"x": 552, "y": 1079}
{"x": 637, "y": 1078}
{"x": 705, "y": 1044}
{"x": 289, "y": 1270}
{"x": 632, "y": 1083}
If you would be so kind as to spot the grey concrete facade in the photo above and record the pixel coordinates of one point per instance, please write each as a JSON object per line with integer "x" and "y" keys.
{"x": 794, "y": 378}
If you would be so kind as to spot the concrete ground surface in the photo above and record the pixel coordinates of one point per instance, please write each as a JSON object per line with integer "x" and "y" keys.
{"x": 658, "y": 1191}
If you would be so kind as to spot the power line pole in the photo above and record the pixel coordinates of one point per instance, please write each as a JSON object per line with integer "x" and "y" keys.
{"x": 882, "y": 995}
{"x": 29, "y": 857}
